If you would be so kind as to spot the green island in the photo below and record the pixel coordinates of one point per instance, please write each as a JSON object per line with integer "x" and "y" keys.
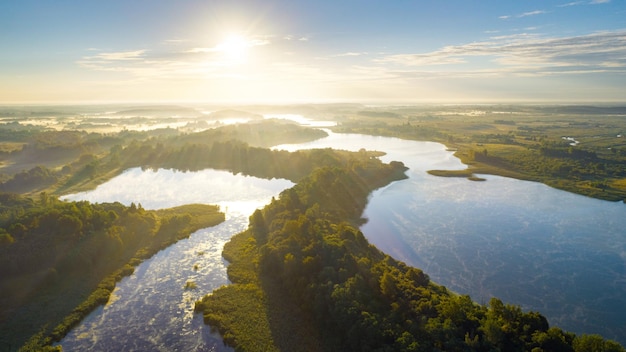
{"x": 304, "y": 277}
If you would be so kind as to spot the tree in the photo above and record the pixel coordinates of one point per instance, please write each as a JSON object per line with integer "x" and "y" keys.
{"x": 258, "y": 226}
{"x": 595, "y": 343}
{"x": 388, "y": 285}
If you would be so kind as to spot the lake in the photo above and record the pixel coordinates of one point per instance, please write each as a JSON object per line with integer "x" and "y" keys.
{"x": 528, "y": 244}
{"x": 523, "y": 242}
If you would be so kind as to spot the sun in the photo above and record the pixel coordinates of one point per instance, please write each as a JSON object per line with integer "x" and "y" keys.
{"x": 234, "y": 48}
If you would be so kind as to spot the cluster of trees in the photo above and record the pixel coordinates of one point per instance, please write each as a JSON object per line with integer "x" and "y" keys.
{"x": 303, "y": 254}
{"x": 23, "y": 181}
{"x": 233, "y": 155}
{"x": 559, "y": 151}
{"x": 564, "y": 167}
{"x": 55, "y": 255}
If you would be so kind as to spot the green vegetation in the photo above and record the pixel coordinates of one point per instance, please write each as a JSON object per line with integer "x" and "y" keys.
{"x": 87, "y": 248}
{"x": 577, "y": 149}
{"x": 60, "y": 260}
{"x": 305, "y": 278}
{"x": 61, "y": 162}
{"x": 467, "y": 173}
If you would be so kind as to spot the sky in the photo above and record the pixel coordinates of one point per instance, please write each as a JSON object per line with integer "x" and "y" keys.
{"x": 286, "y": 51}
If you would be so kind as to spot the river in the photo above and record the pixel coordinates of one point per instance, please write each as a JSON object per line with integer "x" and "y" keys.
{"x": 523, "y": 242}
{"x": 151, "y": 310}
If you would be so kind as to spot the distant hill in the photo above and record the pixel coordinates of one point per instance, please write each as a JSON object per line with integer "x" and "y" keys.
{"x": 159, "y": 111}
{"x": 587, "y": 109}
{"x": 230, "y": 114}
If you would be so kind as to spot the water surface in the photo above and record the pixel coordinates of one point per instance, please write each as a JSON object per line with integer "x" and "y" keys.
{"x": 151, "y": 310}
{"x": 528, "y": 244}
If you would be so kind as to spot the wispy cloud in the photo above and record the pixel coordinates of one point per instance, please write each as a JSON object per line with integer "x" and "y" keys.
{"x": 142, "y": 64}
{"x": 112, "y": 61}
{"x": 204, "y": 64}
{"x": 525, "y": 53}
{"x": 573, "y": 3}
{"x": 121, "y": 55}
{"x": 592, "y": 2}
{"x": 524, "y": 14}
{"x": 531, "y": 13}
{"x": 351, "y": 53}
{"x": 172, "y": 60}
{"x": 292, "y": 37}
{"x": 175, "y": 41}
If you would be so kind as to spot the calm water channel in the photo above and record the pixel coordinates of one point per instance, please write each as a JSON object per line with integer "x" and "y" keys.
{"x": 526, "y": 243}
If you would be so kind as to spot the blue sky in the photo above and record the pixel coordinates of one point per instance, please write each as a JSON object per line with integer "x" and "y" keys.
{"x": 283, "y": 51}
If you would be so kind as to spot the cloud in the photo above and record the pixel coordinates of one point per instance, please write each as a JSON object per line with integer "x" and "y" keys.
{"x": 170, "y": 60}
{"x": 524, "y": 56}
{"x": 531, "y": 13}
{"x": 525, "y": 14}
{"x": 573, "y": 3}
{"x": 207, "y": 64}
{"x": 113, "y": 61}
{"x": 291, "y": 37}
{"x": 592, "y": 2}
{"x": 142, "y": 63}
{"x": 121, "y": 55}
{"x": 175, "y": 41}
{"x": 201, "y": 50}
{"x": 525, "y": 53}
{"x": 351, "y": 53}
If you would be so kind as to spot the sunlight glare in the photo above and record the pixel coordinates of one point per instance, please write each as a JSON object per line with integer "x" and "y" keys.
{"x": 234, "y": 48}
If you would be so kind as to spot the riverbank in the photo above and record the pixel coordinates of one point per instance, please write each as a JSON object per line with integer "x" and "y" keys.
{"x": 500, "y": 161}
{"x": 516, "y": 150}
{"x": 90, "y": 267}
